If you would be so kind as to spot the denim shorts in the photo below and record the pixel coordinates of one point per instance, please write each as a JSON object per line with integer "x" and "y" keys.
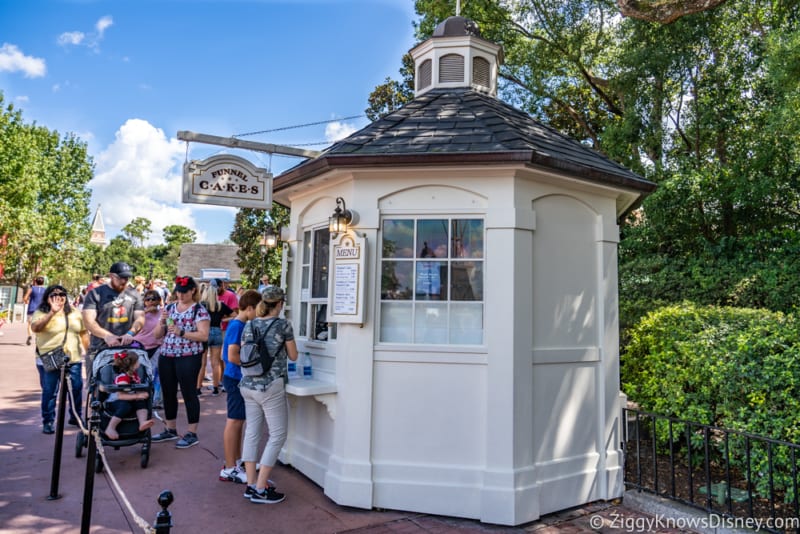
{"x": 234, "y": 398}
{"x": 215, "y": 337}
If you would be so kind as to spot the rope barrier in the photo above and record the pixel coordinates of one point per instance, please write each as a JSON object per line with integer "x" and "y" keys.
{"x": 145, "y": 526}
{"x": 75, "y": 414}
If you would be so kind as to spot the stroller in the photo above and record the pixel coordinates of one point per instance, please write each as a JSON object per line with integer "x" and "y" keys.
{"x": 101, "y": 385}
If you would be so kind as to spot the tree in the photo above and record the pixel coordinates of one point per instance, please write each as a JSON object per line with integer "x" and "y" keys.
{"x": 248, "y": 232}
{"x": 44, "y": 199}
{"x": 176, "y": 235}
{"x": 706, "y": 106}
{"x": 392, "y": 95}
{"x": 138, "y": 230}
{"x": 662, "y": 11}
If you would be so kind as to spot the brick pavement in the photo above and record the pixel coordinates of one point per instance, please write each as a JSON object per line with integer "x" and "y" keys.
{"x": 202, "y": 503}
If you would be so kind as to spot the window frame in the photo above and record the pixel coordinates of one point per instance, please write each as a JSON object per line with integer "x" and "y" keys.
{"x": 416, "y": 301}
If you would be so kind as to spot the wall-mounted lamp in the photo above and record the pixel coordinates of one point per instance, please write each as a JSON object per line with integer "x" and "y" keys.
{"x": 270, "y": 237}
{"x": 341, "y": 218}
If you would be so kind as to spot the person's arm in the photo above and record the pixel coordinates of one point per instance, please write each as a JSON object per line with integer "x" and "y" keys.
{"x": 94, "y": 328}
{"x": 291, "y": 350}
{"x": 27, "y": 296}
{"x": 84, "y": 335}
{"x": 233, "y": 354}
{"x": 138, "y": 324}
{"x": 201, "y": 334}
{"x": 41, "y": 322}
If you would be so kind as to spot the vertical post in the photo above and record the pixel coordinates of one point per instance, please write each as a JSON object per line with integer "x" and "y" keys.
{"x": 91, "y": 457}
{"x": 163, "y": 522}
{"x": 62, "y": 403}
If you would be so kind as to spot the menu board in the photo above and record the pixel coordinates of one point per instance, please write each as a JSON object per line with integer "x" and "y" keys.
{"x": 346, "y": 289}
{"x": 345, "y": 301}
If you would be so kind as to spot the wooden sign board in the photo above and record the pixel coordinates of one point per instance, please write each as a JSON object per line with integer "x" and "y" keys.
{"x": 227, "y": 180}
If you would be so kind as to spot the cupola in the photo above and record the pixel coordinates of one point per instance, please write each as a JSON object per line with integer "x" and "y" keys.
{"x": 456, "y": 56}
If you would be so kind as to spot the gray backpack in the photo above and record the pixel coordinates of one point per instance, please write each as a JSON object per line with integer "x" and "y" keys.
{"x": 254, "y": 355}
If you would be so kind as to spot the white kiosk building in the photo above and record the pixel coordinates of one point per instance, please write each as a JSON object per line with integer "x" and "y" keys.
{"x": 462, "y": 316}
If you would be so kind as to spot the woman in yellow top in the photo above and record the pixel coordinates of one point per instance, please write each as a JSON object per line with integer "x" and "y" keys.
{"x": 50, "y": 321}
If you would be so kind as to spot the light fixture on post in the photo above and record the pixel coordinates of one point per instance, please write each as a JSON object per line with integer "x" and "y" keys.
{"x": 341, "y": 218}
{"x": 268, "y": 240}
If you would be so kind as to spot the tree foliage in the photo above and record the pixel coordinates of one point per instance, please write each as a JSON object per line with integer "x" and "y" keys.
{"x": 248, "y": 232}
{"x": 707, "y": 107}
{"x": 44, "y": 198}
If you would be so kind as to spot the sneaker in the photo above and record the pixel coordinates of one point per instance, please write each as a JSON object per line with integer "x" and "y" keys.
{"x": 47, "y": 428}
{"x": 167, "y": 435}
{"x": 249, "y": 492}
{"x": 189, "y": 439}
{"x": 215, "y": 392}
{"x": 232, "y": 474}
{"x": 267, "y": 496}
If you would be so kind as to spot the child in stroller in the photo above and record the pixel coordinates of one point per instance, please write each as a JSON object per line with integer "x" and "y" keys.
{"x": 122, "y": 404}
{"x": 107, "y": 366}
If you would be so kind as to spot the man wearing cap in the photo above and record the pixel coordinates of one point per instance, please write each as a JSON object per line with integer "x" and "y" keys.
{"x": 113, "y": 312}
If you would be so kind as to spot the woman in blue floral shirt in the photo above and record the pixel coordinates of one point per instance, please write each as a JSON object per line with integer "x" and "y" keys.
{"x": 184, "y": 326}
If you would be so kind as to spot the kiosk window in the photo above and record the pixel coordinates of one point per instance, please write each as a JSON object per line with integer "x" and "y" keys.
{"x": 314, "y": 287}
{"x": 432, "y": 281}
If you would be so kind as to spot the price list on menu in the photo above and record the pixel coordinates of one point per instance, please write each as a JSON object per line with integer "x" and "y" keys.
{"x": 346, "y": 298}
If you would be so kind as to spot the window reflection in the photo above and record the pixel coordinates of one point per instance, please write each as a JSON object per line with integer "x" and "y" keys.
{"x": 436, "y": 267}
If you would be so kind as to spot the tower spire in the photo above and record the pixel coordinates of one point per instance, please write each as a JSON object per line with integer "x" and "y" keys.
{"x": 98, "y": 236}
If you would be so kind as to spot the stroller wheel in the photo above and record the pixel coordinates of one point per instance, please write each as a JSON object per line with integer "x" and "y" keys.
{"x": 145, "y": 458}
{"x": 98, "y": 464}
{"x": 80, "y": 442}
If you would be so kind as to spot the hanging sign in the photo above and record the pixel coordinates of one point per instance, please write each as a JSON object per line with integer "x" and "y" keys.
{"x": 346, "y": 289}
{"x": 227, "y": 180}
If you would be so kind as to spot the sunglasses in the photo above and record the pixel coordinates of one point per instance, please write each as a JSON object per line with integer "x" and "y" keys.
{"x": 151, "y": 299}
{"x": 58, "y": 294}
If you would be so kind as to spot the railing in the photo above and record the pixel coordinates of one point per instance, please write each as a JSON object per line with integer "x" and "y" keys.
{"x": 725, "y": 472}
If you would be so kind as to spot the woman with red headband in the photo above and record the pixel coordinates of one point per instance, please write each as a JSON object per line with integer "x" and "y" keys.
{"x": 184, "y": 326}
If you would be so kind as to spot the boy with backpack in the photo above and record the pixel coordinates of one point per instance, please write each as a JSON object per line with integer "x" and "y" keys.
{"x": 232, "y": 375}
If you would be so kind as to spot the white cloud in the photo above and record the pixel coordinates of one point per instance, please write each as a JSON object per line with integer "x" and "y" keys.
{"x": 140, "y": 175}
{"x": 71, "y": 38}
{"x": 12, "y": 60}
{"x": 102, "y": 24}
{"x": 335, "y": 131}
{"x": 91, "y": 40}
{"x": 22, "y": 99}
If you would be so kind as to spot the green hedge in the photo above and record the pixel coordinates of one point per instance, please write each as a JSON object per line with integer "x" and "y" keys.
{"x": 736, "y": 368}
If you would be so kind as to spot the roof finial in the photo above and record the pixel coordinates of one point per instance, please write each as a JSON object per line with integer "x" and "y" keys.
{"x": 458, "y": 8}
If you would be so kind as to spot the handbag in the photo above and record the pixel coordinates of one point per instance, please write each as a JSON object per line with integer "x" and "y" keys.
{"x": 54, "y": 360}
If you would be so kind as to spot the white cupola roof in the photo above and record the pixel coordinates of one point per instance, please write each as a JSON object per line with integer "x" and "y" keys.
{"x": 456, "y": 56}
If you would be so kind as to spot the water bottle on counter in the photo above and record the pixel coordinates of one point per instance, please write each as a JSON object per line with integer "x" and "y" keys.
{"x": 291, "y": 368}
{"x": 307, "y": 373}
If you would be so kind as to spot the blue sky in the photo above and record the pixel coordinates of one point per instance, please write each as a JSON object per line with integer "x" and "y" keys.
{"x": 126, "y": 76}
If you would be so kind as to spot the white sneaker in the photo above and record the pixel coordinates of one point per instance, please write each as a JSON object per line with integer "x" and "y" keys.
{"x": 232, "y": 474}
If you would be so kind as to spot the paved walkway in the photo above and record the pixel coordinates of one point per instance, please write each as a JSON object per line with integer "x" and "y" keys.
{"x": 202, "y": 503}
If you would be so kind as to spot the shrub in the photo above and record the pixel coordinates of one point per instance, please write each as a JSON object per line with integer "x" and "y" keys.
{"x": 735, "y": 368}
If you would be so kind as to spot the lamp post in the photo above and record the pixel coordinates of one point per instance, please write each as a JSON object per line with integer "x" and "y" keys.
{"x": 268, "y": 241}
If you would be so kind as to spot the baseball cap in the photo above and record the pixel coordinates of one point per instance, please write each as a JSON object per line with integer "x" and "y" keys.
{"x": 273, "y": 294}
{"x": 121, "y": 269}
{"x": 184, "y": 284}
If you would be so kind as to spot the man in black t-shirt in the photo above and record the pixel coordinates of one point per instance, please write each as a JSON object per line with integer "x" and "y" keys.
{"x": 113, "y": 312}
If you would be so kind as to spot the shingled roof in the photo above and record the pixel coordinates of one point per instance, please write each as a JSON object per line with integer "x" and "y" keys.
{"x": 197, "y": 256}
{"x": 464, "y": 126}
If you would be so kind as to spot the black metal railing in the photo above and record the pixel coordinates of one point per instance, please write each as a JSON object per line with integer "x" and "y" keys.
{"x": 725, "y": 472}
